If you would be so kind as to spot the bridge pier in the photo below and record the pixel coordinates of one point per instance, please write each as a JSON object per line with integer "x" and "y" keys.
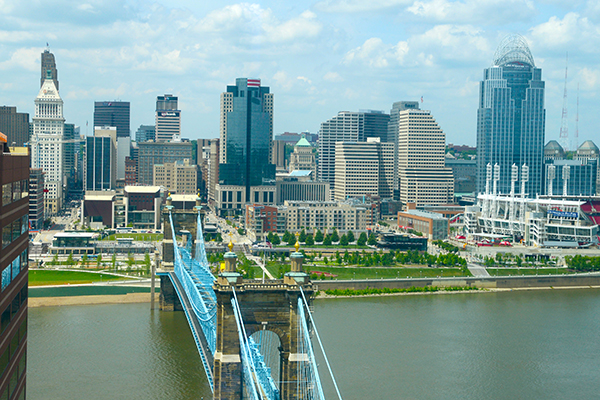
{"x": 271, "y": 305}
{"x": 168, "y": 300}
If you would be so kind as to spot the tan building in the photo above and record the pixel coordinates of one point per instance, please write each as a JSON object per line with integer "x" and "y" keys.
{"x": 177, "y": 177}
{"x": 303, "y": 158}
{"x": 364, "y": 168}
{"x": 433, "y": 225}
{"x": 343, "y": 216}
{"x": 423, "y": 176}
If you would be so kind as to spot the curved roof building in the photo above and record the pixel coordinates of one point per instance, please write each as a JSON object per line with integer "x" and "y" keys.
{"x": 511, "y": 118}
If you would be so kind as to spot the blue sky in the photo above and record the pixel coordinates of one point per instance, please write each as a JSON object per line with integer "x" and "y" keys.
{"x": 318, "y": 57}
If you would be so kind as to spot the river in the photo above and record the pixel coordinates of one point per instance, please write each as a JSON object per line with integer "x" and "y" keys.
{"x": 540, "y": 344}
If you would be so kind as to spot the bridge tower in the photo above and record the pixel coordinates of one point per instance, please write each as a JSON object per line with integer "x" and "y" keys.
{"x": 265, "y": 305}
{"x": 185, "y": 220}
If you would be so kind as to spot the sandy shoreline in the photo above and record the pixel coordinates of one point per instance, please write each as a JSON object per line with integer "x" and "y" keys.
{"x": 90, "y": 300}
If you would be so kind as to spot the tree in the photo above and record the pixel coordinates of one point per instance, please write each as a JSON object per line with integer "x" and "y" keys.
{"x": 291, "y": 240}
{"x": 362, "y": 239}
{"x": 372, "y": 241}
{"x": 309, "y": 240}
{"x": 286, "y": 236}
{"x": 325, "y": 260}
{"x": 319, "y": 236}
{"x": 99, "y": 261}
{"x": 147, "y": 262}
{"x": 70, "y": 260}
{"x": 350, "y": 236}
{"x": 114, "y": 261}
{"x": 334, "y": 236}
{"x": 327, "y": 241}
{"x": 344, "y": 240}
{"x": 302, "y": 237}
{"x": 84, "y": 260}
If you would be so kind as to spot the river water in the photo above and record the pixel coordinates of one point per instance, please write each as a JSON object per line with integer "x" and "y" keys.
{"x": 509, "y": 345}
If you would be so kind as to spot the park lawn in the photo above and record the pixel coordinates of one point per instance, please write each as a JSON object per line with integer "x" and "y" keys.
{"x": 387, "y": 272}
{"x": 53, "y": 277}
{"x": 138, "y": 237}
{"x": 528, "y": 271}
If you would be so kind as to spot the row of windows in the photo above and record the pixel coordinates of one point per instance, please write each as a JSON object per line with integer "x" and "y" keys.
{"x": 14, "y": 191}
{"x": 6, "y": 358}
{"x": 13, "y": 269}
{"x": 15, "y": 229}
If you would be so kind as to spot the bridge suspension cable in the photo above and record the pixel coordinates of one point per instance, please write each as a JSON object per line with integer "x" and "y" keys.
{"x": 337, "y": 390}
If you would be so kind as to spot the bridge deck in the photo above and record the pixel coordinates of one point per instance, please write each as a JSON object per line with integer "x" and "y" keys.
{"x": 199, "y": 338}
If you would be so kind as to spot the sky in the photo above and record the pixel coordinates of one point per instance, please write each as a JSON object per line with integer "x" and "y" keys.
{"x": 318, "y": 57}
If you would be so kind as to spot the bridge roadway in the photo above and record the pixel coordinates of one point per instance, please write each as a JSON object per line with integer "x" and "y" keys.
{"x": 198, "y": 334}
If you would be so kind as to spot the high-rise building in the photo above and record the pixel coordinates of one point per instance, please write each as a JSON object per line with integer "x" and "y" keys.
{"x": 393, "y": 126}
{"x": 36, "y": 198}
{"x": 511, "y": 118}
{"x": 423, "y": 176}
{"x": 246, "y": 142}
{"x": 14, "y": 173}
{"x": 151, "y": 153}
{"x": 168, "y": 118}
{"x": 47, "y": 142}
{"x": 364, "y": 168}
{"x": 177, "y": 177}
{"x": 113, "y": 113}
{"x": 145, "y": 133}
{"x": 14, "y": 125}
{"x": 347, "y": 127}
{"x": 48, "y": 64}
{"x": 101, "y": 159}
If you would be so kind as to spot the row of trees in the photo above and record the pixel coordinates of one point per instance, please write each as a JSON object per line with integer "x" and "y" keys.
{"x": 583, "y": 263}
{"x": 393, "y": 257}
{"x": 325, "y": 240}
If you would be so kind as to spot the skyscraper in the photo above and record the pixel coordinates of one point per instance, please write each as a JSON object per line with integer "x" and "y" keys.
{"x": 347, "y": 127}
{"x": 168, "y": 118}
{"x": 14, "y": 125}
{"x": 113, "y": 113}
{"x": 47, "y": 142}
{"x": 246, "y": 141}
{"x": 48, "y": 64}
{"x": 511, "y": 117}
{"x": 423, "y": 176}
{"x": 101, "y": 159}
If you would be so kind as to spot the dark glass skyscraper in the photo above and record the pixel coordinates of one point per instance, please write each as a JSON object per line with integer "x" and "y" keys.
{"x": 511, "y": 118}
{"x": 113, "y": 113}
{"x": 246, "y": 134}
{"x": 48, "y": 64}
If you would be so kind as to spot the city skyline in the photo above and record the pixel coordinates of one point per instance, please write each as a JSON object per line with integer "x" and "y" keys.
{"x": 319, "y": 57}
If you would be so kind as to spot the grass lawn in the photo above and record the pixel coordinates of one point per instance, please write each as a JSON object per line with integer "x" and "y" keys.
{"x": 387, "y": 272}
{"x": 138, "y": 237}
{"x": 53, "y": 277}
{"x": 528, "y": 271}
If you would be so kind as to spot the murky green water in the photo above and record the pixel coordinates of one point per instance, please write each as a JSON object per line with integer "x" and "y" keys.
{"x": 517, "y": 345}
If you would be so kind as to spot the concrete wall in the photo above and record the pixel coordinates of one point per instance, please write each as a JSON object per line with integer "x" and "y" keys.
{"x": 509, "y": 282}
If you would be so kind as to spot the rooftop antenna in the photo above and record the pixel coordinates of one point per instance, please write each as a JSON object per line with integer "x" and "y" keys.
{"x": 564, "y": 128}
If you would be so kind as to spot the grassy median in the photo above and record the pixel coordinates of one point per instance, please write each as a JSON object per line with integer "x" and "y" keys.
{"x": 53, "y": 277}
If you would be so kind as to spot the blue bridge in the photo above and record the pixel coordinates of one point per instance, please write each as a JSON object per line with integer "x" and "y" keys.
{"x": 253, "y": 336}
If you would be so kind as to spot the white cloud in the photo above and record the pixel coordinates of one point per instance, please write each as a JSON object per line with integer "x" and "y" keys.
{"x": 572, "y": 31}
{"x": 474, "y": 11}
{"x": 373, "y": 53}
{"x": 333, "y": 77}
{"x": 589, "y": 78}
{"x": 304, "y": 79}
{"x": 26, "y": 58}
{"x": 354, "y": 6}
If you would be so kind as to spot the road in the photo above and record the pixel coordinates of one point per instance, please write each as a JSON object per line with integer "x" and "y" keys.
{"x": 477, "y": 270}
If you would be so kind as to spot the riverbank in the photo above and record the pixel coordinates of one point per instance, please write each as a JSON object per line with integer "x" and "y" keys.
{"x": 128, "y": 298}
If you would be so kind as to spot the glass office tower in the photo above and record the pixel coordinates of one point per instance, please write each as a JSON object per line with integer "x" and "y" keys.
{"x": 511, "y": 117}
{"x": 246, "y": 134}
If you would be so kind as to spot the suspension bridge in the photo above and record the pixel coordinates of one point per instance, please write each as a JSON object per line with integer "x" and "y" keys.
{"x": 253, "y": 336}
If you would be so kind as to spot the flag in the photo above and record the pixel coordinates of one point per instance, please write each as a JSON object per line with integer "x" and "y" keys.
{"x": 253, "y": 82}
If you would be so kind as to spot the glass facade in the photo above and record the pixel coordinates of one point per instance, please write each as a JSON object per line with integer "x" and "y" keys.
{"x": 511, "y": 118}
{"x": 99, "y": 164}
{"x": 113, "y": 113}
{"x": 249, "y": 123}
